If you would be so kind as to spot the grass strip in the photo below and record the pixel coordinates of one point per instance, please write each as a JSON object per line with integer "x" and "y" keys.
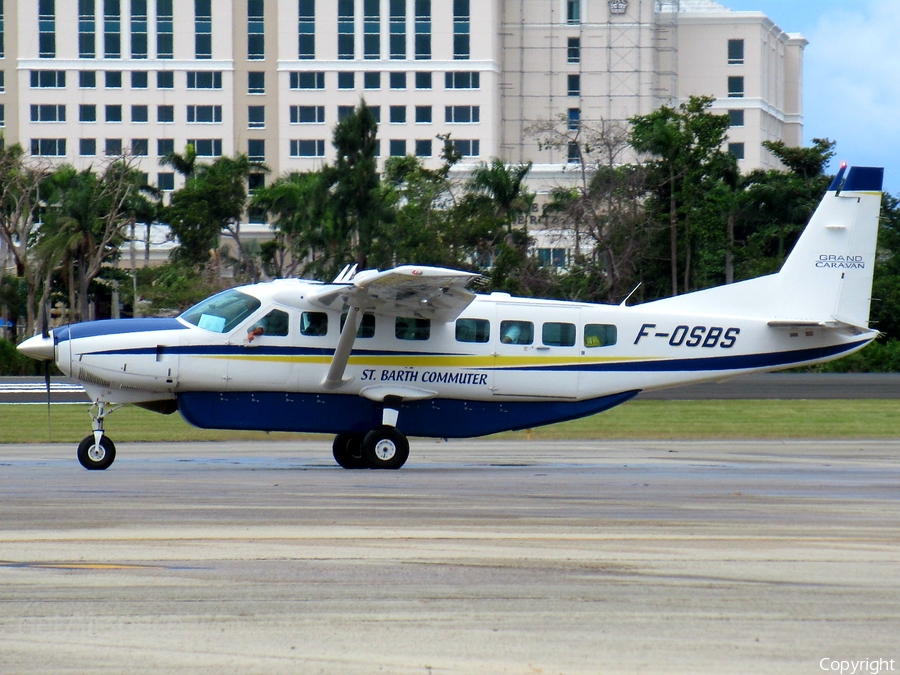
{"x": 650, "y": 420}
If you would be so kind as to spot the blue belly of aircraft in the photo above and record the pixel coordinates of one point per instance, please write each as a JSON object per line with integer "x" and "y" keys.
{"x": 337, "y": 413}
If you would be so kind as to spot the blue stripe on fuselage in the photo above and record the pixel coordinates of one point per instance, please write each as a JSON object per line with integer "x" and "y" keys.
{"x": 114, "y": 327}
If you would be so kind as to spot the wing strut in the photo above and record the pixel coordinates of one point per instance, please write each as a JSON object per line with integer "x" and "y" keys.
{"x": 335, "y": 377}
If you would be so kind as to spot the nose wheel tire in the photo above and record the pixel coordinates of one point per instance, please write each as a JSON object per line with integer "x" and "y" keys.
{"x": 347, "y": 450}
{"x": 96, "y": 456}
{"x": 385, "y": 448}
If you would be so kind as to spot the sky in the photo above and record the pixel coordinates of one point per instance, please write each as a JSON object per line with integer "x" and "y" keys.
{"x": 851, "y": 75}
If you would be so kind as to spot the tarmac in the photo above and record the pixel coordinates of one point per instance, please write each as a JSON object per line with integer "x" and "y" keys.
{"x": 477, "y": 557}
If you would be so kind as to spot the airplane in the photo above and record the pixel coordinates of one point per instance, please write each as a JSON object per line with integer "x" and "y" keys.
{"x": 376, "y": 356}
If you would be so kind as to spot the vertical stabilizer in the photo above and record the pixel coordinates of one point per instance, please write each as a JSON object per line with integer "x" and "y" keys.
{"x": 828, "y": 275}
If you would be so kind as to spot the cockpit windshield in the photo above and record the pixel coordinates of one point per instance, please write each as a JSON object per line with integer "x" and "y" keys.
{"x": 222, "y": 312}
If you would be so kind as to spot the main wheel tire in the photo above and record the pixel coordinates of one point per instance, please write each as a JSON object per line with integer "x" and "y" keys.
{"x": 385, "y": 448}
{"x": 96, "y": 457}
{"x": 347, "y": 450}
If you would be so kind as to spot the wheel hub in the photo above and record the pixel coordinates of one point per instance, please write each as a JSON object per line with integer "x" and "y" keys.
{"x": 385, "y": 449}
{"x": 97, "y": 453}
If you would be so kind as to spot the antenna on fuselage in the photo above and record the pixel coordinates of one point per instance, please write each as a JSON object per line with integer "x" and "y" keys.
{"x": 628, "y": 297}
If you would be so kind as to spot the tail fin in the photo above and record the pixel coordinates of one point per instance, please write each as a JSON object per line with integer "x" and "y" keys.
{"x": 827, "y": 278}
{"x": 828, "y": 274}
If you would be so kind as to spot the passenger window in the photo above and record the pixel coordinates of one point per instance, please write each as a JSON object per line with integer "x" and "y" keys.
{"x": 558, "y": 334}
{"x": 314, "y": 324}
{"x": 473, "y": 330}
{"x": 412, "y": 329}
{"x": 366, "y": 326}
{"x": 273, "y": 324}
{"x": 600, "y": 335}
{"x": 516, "y": 332}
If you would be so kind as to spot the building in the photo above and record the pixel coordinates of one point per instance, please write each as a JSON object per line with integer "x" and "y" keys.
{"x": 85, "y": 79}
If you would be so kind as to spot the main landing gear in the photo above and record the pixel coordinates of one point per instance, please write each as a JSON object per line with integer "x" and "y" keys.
{"x": 97, "y": 452}
{"x": 384, "y": 447}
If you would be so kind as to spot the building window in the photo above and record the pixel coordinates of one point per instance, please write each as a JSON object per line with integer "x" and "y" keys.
{"x": 372, "y": 80}
{"x": 256, "y": 150}
{"x": 376, "y": 112}
{"x": 736, "y": 149}
{"x": 573, "y": 85}
{"x": 113, "y": 113}
{"x": 87, "y": 112}
{"x": 462, "y": 80}
{"x": 113, "y": 147}
{"x": 308, "y": 80}
{"x": 204, "y": 114}
{"x": 48, "y": 113}
{"x": 207, "y": 147}
{"x": 48, "y": 79}
{"x": 307, "y": 148}
{"x": 2, "y": 23}
{"x": 346, "y": 35}
{"x": 165, "y": 79}
{"x": 165, "y": 22}
{"x": 574, "y": 118}
{"x": 165, "y": 114}
{"x": 735, "y": 87}
{"x": 113, "y": 79}
{"x": 467, "y": 148}
{"x": 139, "y": 29}
{"x": 735, "y": 52}
{"x": 346, "y": 79}
{"x": 307, "y": 30}
{"x": 87, "y": 79}
{"x": 165, "y": 181}
{"x": 423, "y": 147}
{"x": 736, "y": 118}
{"x": 574, "y": 50}
{"x": 203, "y": 29}
{"x": 423, "y": 30}
{"x": 165, "y": 146}
{"x": 423, "y": 80}
{"x": 46, "y": 31}
{"x": 371, "y": 29}
{"x": 307, "y": 114}
{"x": 398, "y": 114}
{"x": 2, "y": 78}
{"x": 256, "y": 82}
{"x": 256, "y": 117}
{"x": 573, "y": 11}
{"x": 112, "y": 29}
{"x": 398, "y": 80}
{"x": 204, "y": 79}
{"x": 48, "y": 147}
{"x": 462, "y": 114}
{"x": 140, "y": 114}
{"x": 140, "y": 147}
{"x": 87, "y": 147}
{"x": 139, "y": 79}
{"x": 87, "y": 30}
{"x": 344, "y": 111}
{"x": 423, "y": 114}
{"x": 256, "y": 30}
{"x": 398, "y": 29}
{"x": 574, "y": 153}
{"x": 398, "y": 147}
{"x": 461, "y": 30}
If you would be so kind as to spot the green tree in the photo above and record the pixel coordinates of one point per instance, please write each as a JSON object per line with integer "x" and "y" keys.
{"x": 686, "y": 143}
{"x": 358, "y": 206}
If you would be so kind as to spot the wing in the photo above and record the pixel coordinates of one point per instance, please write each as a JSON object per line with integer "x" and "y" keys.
{"x": 422, "y": 292}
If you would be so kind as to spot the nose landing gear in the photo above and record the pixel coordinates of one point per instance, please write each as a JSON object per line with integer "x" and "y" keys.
{"x": 97, "y": 452}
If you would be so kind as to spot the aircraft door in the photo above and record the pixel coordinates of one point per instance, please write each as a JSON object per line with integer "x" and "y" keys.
{"x": 264, "y": 360}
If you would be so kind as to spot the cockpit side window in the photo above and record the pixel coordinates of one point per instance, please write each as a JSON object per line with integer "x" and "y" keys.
{"x": 274, "y": 324}
{"x": 600, "y": 335}
{"x": 222, "y": 312}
